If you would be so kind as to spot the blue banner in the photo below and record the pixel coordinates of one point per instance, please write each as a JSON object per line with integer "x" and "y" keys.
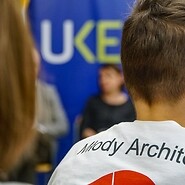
{"x": 74, "y": 37}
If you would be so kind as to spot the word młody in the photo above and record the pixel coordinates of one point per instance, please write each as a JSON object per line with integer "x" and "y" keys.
{"x": 109, "y": 146}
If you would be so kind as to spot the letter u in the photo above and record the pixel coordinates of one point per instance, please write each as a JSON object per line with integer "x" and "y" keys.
{"x": 46, "y": 43}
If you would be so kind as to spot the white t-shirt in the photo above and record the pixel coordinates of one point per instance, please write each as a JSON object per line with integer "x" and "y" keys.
{"x": 137, "y": 153}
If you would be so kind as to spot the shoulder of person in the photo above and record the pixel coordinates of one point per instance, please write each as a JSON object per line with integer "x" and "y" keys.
{"x": 94, "y": 99}
{"x": 46, "y": 86}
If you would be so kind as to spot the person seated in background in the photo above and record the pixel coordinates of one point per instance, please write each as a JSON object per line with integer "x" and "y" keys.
{"x": 150, "y": 150}
{"x": 111, "y": 106}
{"x": 51, "y": 118}
{"x": 17, "y": 87}
{"x": 52, "y": 122}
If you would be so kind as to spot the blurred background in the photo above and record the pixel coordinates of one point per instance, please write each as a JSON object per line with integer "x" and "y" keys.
{"x": 73, "y": 38}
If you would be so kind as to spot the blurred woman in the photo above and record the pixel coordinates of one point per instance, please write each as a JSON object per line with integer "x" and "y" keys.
{"x": 17, "y": 86}
{"x": 111, "y": 106}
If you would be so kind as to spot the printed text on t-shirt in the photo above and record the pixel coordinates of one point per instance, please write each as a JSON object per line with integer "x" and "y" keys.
{"x": 138, "y": 148}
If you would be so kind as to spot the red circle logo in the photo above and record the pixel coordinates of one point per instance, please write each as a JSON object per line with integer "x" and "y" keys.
{"x": 125, "y": 177}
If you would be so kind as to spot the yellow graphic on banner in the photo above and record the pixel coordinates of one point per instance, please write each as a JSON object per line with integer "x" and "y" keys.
{"x": 25, "y": 3}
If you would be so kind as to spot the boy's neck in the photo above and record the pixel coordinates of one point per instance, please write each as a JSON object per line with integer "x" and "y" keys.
{"x": 161, "y": 111}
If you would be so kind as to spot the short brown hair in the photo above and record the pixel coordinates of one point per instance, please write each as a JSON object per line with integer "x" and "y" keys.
{"x": 17, "y": 83}
{"x": 152, "y": 50}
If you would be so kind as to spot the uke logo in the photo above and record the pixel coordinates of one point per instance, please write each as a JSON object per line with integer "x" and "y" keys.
{"x": 72, "y": 40}
{"x": 125, "y": 177}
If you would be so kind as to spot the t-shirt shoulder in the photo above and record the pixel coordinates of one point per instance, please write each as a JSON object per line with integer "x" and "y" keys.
{"x": 133, "y": 128}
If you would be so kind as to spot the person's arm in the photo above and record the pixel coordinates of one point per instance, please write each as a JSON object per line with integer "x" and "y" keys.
{"x": 87, "y": 132}
{"x": 87, "y": 125}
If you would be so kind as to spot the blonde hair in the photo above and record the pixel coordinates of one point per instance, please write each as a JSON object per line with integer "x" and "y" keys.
{"x": 17, "y": 84}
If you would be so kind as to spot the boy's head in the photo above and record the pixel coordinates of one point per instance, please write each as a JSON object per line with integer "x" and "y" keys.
{"x": 153, "y": 51}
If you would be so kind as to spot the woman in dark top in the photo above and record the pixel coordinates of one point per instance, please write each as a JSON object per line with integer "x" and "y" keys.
{"x": 110, "y": 107}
